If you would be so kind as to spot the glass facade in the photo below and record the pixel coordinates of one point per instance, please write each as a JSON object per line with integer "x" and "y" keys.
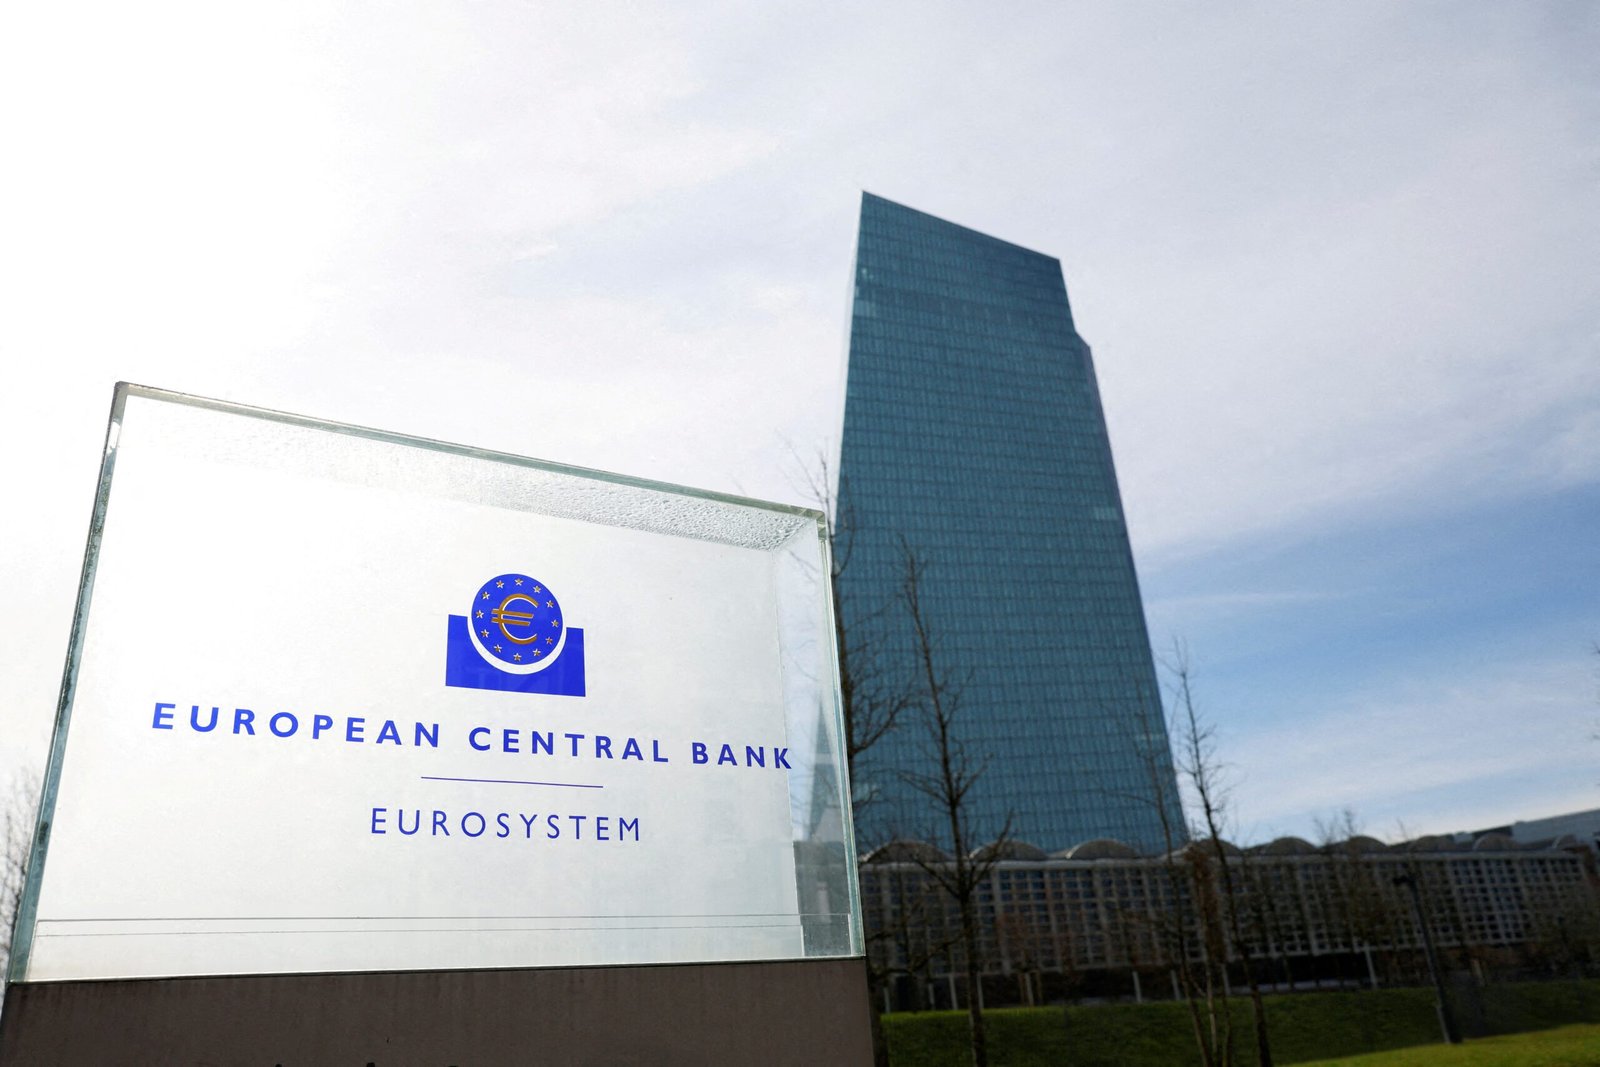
{"x": 973, "y": 431}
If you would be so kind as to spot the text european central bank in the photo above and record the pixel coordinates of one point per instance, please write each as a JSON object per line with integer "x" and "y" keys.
{"x": 425, "y": 707}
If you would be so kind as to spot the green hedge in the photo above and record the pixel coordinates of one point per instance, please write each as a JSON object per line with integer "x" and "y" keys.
{"x": 1303, "y": 1026}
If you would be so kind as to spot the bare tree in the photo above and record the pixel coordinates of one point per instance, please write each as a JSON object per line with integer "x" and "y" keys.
{"x": 1182, "y": 922}
{"x": 873, "y": 697}
{"x": 1211, "y": 940}
{"x": 915, "y": 929}
{"x": 1274, "y": 909}
{"x": 1197, "y": 762}
{"x": 17, "y": 817}
{"x": 1360, "y": 901}
{"x": 952, "y": 773}
{"x": 1563, "y": 932}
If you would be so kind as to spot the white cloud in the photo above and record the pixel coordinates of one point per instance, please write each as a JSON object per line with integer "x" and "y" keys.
{"x": 1507, "y": 741}
{"x": 1181, "y": 614}
{"x": 1399, "y": 314}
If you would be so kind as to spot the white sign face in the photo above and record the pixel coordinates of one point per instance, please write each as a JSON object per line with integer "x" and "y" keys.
{"x": 347, "y": 703}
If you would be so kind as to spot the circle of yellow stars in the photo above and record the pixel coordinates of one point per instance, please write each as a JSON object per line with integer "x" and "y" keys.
{"x": 484, "y": 633}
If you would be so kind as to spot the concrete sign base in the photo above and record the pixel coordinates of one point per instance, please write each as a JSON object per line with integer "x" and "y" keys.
{"x": 799, "y": 1012}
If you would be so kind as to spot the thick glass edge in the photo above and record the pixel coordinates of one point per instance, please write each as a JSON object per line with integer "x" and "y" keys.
{"x": 432, "y": 445}
{"x": 852, "y": 874}
{"x": 28, "y": 906}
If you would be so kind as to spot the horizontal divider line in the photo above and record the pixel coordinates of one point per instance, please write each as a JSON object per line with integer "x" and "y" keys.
{"x": 510, "y": 781}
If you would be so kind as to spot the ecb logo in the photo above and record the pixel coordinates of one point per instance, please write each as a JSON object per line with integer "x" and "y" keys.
{"x": 514, "y": 638}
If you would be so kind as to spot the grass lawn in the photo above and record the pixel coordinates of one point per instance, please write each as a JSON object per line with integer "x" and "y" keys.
{"x": 1370, "y": 1028}
{"x": 1566, "y": 1046}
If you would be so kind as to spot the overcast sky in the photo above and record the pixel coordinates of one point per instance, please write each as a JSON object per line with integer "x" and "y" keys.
{"x": 1340, "y": 266}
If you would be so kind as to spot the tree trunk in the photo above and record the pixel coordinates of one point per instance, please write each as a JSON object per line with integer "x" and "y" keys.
{"x": 980, "y": 1037}
{"x": 1259, "y": 1011}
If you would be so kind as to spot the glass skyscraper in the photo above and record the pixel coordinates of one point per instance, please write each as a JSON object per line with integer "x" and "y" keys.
{"x": 973, "y": 434}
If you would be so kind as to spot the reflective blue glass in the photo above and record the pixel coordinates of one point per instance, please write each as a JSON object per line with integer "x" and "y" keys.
{"x": 973, "y": 430}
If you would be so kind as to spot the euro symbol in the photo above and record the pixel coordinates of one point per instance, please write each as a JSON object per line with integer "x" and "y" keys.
{"x": 505, "y": 618}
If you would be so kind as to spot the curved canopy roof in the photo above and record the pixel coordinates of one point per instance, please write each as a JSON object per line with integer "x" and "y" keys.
{"x": 1288, "y": 846}
{"x": 1012, "y": 850}
{"x": 1101, "y": 848}
{"x": 905, "y": 851}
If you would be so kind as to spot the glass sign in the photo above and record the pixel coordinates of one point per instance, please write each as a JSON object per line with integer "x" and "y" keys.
{"x": 341, "y": 700}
